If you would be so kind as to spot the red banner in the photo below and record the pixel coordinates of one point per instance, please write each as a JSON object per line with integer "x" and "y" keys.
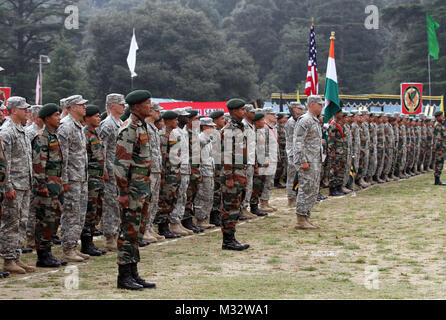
{"x": 411, "y": 98}
{"x": 203, "y": 108}
{"x": 5, "y": 93}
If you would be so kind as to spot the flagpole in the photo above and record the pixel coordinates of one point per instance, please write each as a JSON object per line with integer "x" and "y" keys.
{"x": 429, "y": 68}
{"x": 131, "y": 83}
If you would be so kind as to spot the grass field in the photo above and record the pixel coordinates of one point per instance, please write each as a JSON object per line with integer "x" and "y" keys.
{"x": 387, "y": 242}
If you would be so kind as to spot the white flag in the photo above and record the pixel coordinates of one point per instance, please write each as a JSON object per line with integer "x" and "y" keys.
{"x": 131, "y": 59}
{"x": 1, "y": 69}
{"x": 37, "y": 89}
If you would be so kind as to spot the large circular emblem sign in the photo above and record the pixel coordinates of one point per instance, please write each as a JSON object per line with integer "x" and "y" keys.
{"x": 412, "y": 99}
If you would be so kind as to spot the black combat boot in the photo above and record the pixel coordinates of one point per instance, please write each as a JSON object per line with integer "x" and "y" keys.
{"x": 56, "y": 240}
{"x": 87, "y": 246}
{"x": 188, "y": 224}
{"x": 255, "y": 210}
{"x": 97, "y": 233}
{"x": 438, "y": 182}
{"x": 4, "y": 274}
{"x": 229, "y": 243}
{"x": 163, "y": 230}
{"x": 143, "y": 243}
{"x": 321, "y": 197}
{"x": 215, "y": 218}
{"x": 334, "y": 192}
{"x": 96, "y": 248}
{"x": 46, "y": 260}
{"x": 339, "y": 188}
{"x": 27, "y": 250}
{"x": 125, "y": 279}
{"x": 278, "y": 185}
{"x": 138, "y": 279}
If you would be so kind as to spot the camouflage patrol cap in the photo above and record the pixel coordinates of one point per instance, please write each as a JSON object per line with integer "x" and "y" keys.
{"x": 17, "y": 102}
{"x": 157, "y": 107}
{"x": 207, "y": 122}
{"x": 91, "y": 110}
{"x": 192, "y": 113}
{"x": 316, "y": 99}
{"x": 48, "y": 110}
{"x": 235, "y": 104}
{"x": 269, "y": 110}
{"x": 258, "y": 116}
{"x": 75, "y": 100}
{"x": 249, "y": 108}
{"x": 115, "y": 98}
{"x": 227, "y": 116}
{"x": 181, "y": 111}
{"x": 35, "y": 108}
{"x": 216, "y": 114}
{"x": 62, "y": 102}
{"x": 295, "y": 104}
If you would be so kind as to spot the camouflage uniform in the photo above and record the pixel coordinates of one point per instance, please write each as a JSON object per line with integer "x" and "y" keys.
{"x": 375, "y": 164}
{"x": 108, "y": 133}
{"x": 204, "y": 199}
{"x": 170, "y": 176}
{"x": 417, "y": 146}
{"x": 397, "y": 135}
{"x": 307, "y": 149}
{"x": 291, "y": 169}
{"x": 272, "y": 152}
{"x": 337, "y": 154}
{"x": 195, "y": 175}
{"x": 402, "y": 149}
{"x": 349, "y": 149}
{"x": 260, "y": 163}
{"x": 217, "y": 203}
{"x": 364, "y": 150}
{"x": 96, "y": 168}
{"x": 439, "y": 147}
{"x": 47, "y": 172}
{"x": 356, "y": 143}
{"x": 282, "y": 164}
{"x": 409, "y": 147}
{"x": 423, "y": 145}
{"x": 179, "y": 209}
{"x": 249, "y": 130}
{"x": 17, "y": 150}
{"x": 389, "y": 145}
{"x": 132, "y": 166}
{"x": 3, "y": 170}
{"x": 74, "y": 173}
{"x": 429, "y": 147}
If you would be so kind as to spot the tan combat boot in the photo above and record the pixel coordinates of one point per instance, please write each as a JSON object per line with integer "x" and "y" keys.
{"x": 312, "y": 224}
{"x": 156, "y": 235}
{"x": 82, "y": 255}
{"x": 346, "y": 190}
{"x": 203, "y": 224}
{"x": 190, "y": 232}
{"x": 247, "y": 214}
{"x": 365, "y": 184}
{"x": 175, "y": 228}
{"x": 26, "y": 267}
{"x": 291, "y": 203}
{"x": 111, "y": 243}
{"x": 70, "y": 255}
{"x": 303, "y": 224}
{"x": 272, "y": 207}
{"x": 148, "y": 237}
{"x": 12, "y": 267}
{"x": 265, "y": 207}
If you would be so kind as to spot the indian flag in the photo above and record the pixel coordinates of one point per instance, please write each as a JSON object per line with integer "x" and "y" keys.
{"x": 331, "y": 85}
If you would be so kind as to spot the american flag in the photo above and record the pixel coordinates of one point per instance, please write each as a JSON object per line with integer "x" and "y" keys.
{"x": 312, "y": 85}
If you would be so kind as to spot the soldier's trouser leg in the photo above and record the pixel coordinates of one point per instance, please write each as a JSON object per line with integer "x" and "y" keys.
{"x": 94, "y": 211}
{"x": 48, "y": 212}
{"x": 268, "y": 188}
{"x": 248, "y": 193}
{"x": 180, "y": 205}
{"x": 30, "y": 227}
{"x": 131, "y": 219}
{"x": 439, "y": 163}
{"x": 308, "y": 189}
{"x": 427, "y": 158}
{"x": 168, "y": 195}
{"x": 13, "y": 225}
{"x": 191, "y": 192}
{"x": 291, "y": 174}
{"x": 155, "y": 185}
{"x": 232, "y": 199}
{"x": 347, "y": 171}
{"x": 257, "y": 189}
{"x": 110, "y": 209}
{"x": 279, "y": 171}
{"x": 204, "y": 199}
{"x": 73, "y": 213}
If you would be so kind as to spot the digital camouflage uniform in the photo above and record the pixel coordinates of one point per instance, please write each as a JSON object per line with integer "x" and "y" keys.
{"x": 249, "y": 131}
{"x": 259, "y": 177}
{"x": 96, "y": 168}
{"x": 337, "y": 154}
{"x": 423, "y": 145}
{"x": 178, "y": 212}
{"x": 17, "y": 150}
{"x": 397, "y": 134}
{"x": 108, "y": 133}
{"x": 73, "y": 144}
{"x": 3, "y": 170}
{"x": 364, "y": 150}
{"x": 411, "y": 147}
{"x": 132, "y": 166}
{"x": 195, "y": 175}
{"x": 282, "y": 164}
{"x": 349, "y": 151}
{"x": 388, "y": 148}
{"x": 439, "y": 147}
{"x": 402, "y": 149}
{"x": 429, "y": 146}
{"x": 417, "y": 131}
{"x": 307, "y": 149}
{"x": 47, "y": 172}
{"x": 291, "y": 169}
{"x": 356, "y": 143}
{"x": 204, "y": 199}
{"x": 375, "y": 143}
{"x": 272, "y": 149}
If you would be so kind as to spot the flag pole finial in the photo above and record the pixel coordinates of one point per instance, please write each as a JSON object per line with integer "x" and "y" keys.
{"x": 332, "y": 36}
{"x": 312, "y": 21}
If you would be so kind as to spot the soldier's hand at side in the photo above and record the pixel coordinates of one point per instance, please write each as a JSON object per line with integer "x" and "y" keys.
{"x": 43, "y": 192}
{"x": 305, "y": 166}
{"x": 66, "y": 187}
{"x": 230, "y": 183}
{"x": 124, "y": 201}
{"x": 107, "y": 177}
{"x": 10, "y": 195}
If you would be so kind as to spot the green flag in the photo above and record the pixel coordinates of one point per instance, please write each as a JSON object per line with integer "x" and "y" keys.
{"x": 432, "y": 25}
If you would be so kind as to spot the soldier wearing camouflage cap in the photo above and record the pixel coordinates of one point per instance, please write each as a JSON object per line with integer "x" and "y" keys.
{"x": 282, "y": 165}
{"x": 64, "y": 108}
{"x": 108, "y": 133}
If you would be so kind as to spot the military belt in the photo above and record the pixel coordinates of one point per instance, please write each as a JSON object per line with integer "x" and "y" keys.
{"x": 96, "y": 172}
{"x": 240, "y": 166}
{"x": 194, "y": 165}
{"x": 142, "y": 171}
{"x": 54, "y": 172}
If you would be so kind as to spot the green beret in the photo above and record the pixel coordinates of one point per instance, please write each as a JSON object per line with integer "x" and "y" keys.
{"x": 126, "y": 114}
{"x": 258, "y": 116}
{"x": 169, "y": 115}
{"x": 48, "y": 110}
{"x": 192, "y": 113}
{"x": 235, "y": 104}
{"x": 216, "y": 114}
{"x": 137, "y": 96}
{"x": 104, "y": 115}
{"x": 91, "y": 110}
{"x": 438, "y": 113}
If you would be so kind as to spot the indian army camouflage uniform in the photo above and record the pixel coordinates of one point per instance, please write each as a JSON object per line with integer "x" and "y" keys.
{"x": 204, "y": 199}
{"x": 409, "y": 146}
{"x": 250, "y": 134}
{"x": 291, "y": 169}
{"x": 96, "y": 168}
{"x": 389, "y": 145}
{"x": 170, "y": 176}
{"x": 429, "y": 146}
{"x": 47, "y": 169}
{"x": 402, "y": 149}
{"x": 439, "y": 147}
{"x": 234, "y": 168}
{"x": 423, "y": 145}
{"x": 337, "y": 154}
{"x": 374, "y": 165}
{"x": 132, "y": 166}
{"x": 283, "y": 160}
{"x": 364, "y": 150}
{"x": 74, "y": 173}
{"x": 356, "y": 143}
{"x": 411, "y": 153}
{"x": 397, "y": 135}
{"x": 349, "y": 151}
{"x": 272, "y": 149}
{"x": 417, "y": 146}
{"x": 17, "y": 150}
{"x": 179, "y": 209}
{"x": 307, "y": 149}
{"x": 108, "y": 133}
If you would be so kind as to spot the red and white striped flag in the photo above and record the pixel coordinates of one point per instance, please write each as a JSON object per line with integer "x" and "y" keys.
{"x": 312, "y": 85}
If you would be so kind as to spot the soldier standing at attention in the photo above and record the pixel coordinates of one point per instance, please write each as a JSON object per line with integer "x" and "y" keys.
{"x": 74, "y": 177}
{"x": 307, "y": 157}
{"x": 439, "y": 146}
{"x": 281, "y": 137}
{"x": 348, "y": 119}
{"x": 96, "y": 177}
{"x": 337, "y": 154}
{"x": 364, "y": 150}
{"x": 108, "y": 133}
{"x": 132, "y": 166}
{"x": 356, "y": 143}
{"x": 47, "y": 186}
{"x": 3, "y": 166}
{"x": 233, "y": 178}
{"x": 18, "y": 183}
